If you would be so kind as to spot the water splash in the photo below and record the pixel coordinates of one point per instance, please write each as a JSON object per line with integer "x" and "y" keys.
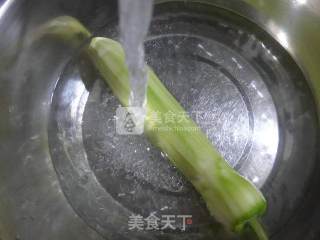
{"x": 135, "y": 17}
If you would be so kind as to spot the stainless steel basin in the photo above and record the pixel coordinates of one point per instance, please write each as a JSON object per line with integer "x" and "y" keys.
{"x": 246, "y": 71}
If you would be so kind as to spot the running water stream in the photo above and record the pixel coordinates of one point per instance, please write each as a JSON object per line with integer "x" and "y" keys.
{"x": 135, "y": 17}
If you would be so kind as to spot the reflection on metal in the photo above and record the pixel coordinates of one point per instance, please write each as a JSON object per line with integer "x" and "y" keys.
{"x": 301, "y": 2}
{"x": 283, "y": 39}
{"x": 280, "y": 34}
{"x": 77, "y": 95}
{"x": 4, "y": 7}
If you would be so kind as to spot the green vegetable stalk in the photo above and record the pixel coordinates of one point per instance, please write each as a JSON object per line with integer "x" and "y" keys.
{"x": 230, "y": 198}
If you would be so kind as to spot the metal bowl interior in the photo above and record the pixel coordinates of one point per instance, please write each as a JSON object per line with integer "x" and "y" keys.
{"x": 67, "y": 174}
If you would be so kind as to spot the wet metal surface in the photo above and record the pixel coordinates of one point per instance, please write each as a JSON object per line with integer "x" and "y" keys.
{"x": 82, "y": 181}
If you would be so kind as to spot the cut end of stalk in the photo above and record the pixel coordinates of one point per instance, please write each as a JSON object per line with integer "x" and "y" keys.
{"x": 65, "y": 29}
{"x": 258, "y": 229}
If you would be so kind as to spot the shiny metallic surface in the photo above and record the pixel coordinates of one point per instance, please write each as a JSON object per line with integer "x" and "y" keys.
{"x": 66, "y": 174}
